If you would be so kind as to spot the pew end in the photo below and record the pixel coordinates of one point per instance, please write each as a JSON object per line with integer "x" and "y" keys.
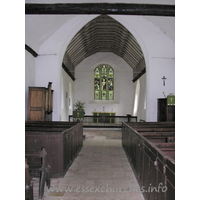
{"x": 28, "y": 183}
{"x": 40, "y": 169}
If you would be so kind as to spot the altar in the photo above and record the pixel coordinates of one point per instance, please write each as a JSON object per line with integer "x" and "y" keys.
{"x": 103, "y": 117}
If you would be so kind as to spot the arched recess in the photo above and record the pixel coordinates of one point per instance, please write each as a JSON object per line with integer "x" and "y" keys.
{"x": 104, "y": 34}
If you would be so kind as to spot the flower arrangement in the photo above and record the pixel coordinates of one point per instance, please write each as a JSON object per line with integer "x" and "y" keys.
{"x": 79, "y": 105}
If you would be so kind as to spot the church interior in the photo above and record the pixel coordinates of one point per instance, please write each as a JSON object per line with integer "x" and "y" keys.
{"x": 100, "y": 99}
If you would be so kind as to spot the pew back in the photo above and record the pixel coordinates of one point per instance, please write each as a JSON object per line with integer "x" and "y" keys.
{"x": 151, "y": 166}
{"x": 157, "y": 132}
{"x": 62, "y": 141}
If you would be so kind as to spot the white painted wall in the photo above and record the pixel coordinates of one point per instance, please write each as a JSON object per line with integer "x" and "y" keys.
{"x": 159, "y": 53}
{"x": 123, "y": 85}
{"x": 48, "y": 69}
{"x": 157, "y": 45}
{"x": 160, "y": 67}
{"x": 66, "y": 93}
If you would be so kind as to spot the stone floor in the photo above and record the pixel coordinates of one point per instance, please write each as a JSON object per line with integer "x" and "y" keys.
{"x": 100, "y": 171}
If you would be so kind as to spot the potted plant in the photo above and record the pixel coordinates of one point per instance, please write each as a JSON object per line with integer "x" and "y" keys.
{"x": 79, "y": 111}
{"x": 79, "y": 105}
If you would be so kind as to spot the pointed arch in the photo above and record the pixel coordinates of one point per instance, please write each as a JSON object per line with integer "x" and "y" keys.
{"x": 104, "y": 34}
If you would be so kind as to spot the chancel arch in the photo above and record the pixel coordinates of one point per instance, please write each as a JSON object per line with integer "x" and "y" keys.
{"x": 104, "y": 34}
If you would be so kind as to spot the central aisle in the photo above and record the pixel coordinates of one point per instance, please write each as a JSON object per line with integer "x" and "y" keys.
{"x": 100, "y": 171}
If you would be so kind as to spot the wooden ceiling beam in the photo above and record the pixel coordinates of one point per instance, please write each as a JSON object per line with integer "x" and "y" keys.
{"x": 100, "y": 8}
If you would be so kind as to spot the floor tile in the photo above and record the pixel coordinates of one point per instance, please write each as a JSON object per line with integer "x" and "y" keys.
{"x": 100, "y": 171}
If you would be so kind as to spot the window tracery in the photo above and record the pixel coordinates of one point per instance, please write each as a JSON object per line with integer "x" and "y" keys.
{"x": 104, "y": 82}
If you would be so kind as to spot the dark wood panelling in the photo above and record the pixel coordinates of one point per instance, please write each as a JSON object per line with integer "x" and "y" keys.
{"x": 153, "y": 169}
{"x": 62, "y": 141}
{"x": 165, "y": 112}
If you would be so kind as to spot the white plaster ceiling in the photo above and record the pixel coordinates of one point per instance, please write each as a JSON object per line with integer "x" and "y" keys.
{"x": 38, "y": 28}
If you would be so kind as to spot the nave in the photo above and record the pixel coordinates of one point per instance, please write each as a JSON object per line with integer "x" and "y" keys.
{"x": 100, "y": 171}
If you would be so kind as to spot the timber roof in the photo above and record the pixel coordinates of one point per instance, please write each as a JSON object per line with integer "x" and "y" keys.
{"x": 104, "y": 34}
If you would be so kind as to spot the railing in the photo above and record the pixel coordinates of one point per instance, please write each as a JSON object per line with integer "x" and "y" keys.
{"x": 90, "y": 121}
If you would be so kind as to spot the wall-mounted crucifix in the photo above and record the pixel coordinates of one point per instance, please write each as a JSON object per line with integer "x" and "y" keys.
{"x": 164, "y": 80}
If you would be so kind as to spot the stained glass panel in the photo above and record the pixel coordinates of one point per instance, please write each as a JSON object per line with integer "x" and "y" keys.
{"x": 103, "y": 84}
{"x": 104, "y": 69}
{"x": 110, "y": 72}
{"x": 110, "y": 97}
{"x": 110, "y": 84}
{"x": 103, "y": 97}
{"x": 96, "y": 95}
{"x": 97, "y": 71}
{"x": 96, "y": 84}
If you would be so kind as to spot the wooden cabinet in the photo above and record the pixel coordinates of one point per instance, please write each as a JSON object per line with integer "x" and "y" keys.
{"x": 170, "y": 113}
{"x": 165, "y": 112}
{"x": 40, "y": 103}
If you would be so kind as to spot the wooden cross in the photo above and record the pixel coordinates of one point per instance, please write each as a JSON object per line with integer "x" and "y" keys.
{"x": 164, "y": 80}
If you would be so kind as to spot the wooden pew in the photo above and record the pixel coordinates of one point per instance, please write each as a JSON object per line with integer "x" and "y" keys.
{"x": 156, "y": 132}
{"x": 38, "y": 165}
{"x": 152, "y": 166}
{"x": 159, "y": 137}
{"x": 62, "y": 140}
{"x": 28, "y": 183}
{"x": 49, "y": 124}
{"x": 154, "y": 129}
{"x": 167, "y": 148}
{"x": 152, "y": 124}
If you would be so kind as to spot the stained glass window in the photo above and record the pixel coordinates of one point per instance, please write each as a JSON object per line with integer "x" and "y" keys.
{"x": 104, "y": 82}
